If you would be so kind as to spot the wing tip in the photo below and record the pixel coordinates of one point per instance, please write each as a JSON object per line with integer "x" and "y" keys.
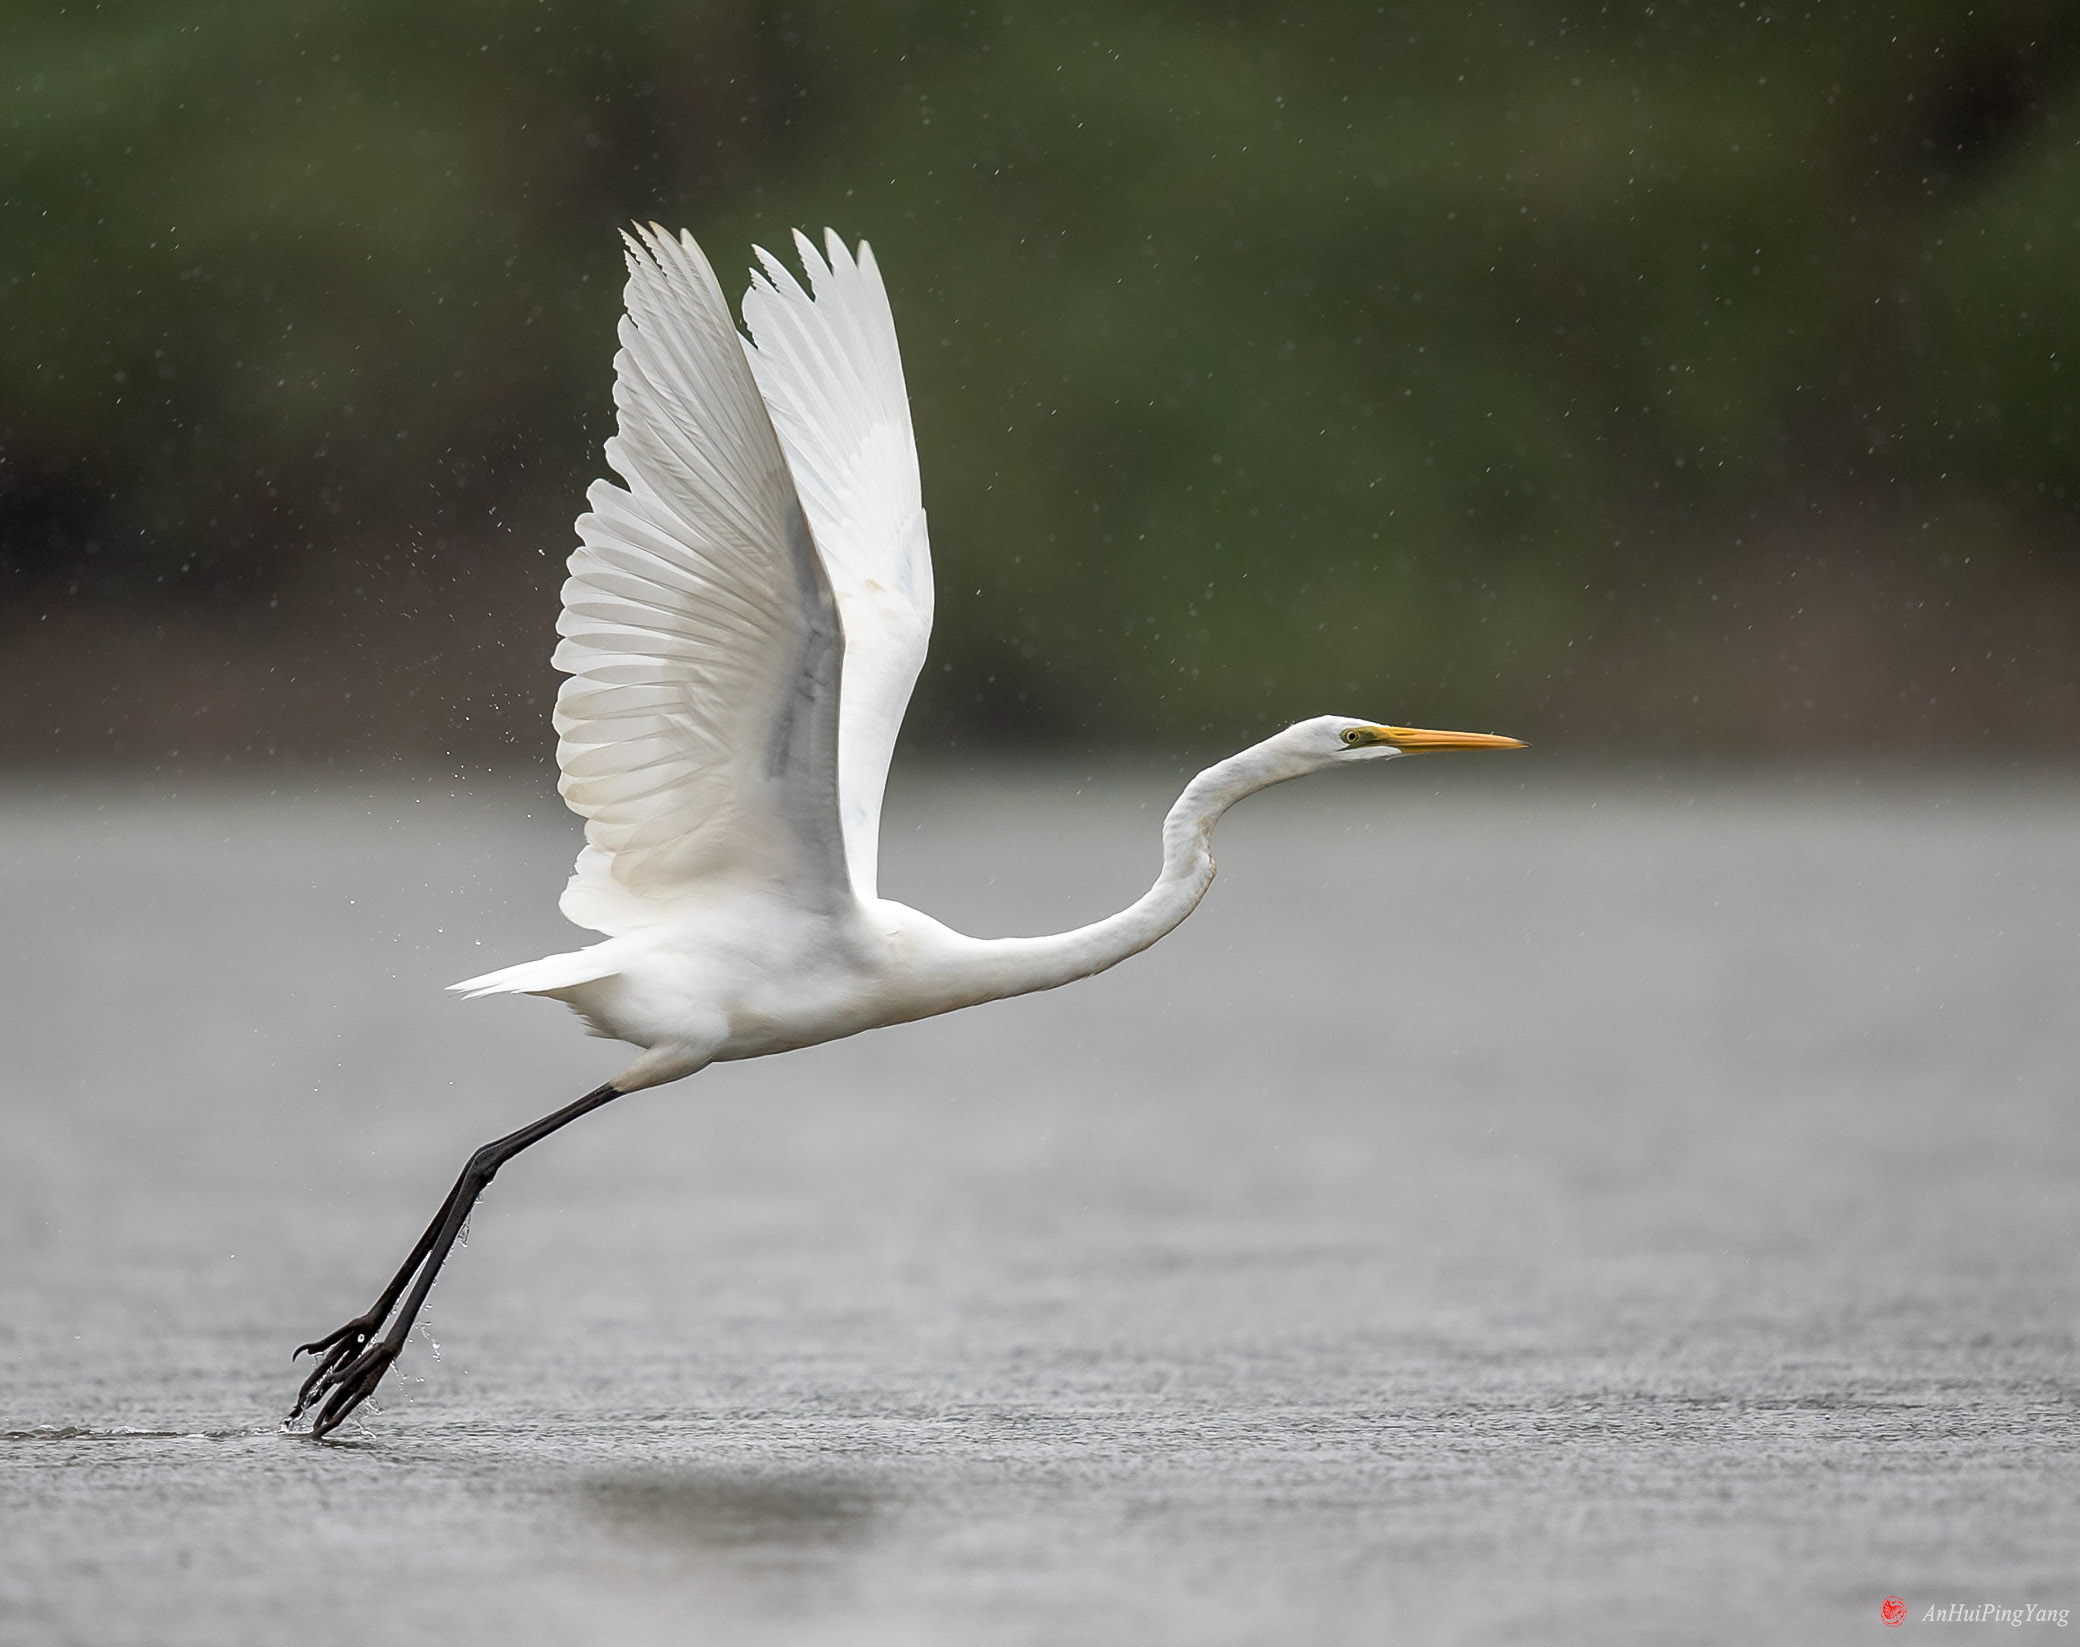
{"x": 839, "y": 254}
{"x": 773, "y": 273}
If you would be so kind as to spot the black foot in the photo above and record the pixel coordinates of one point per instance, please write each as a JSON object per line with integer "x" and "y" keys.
{"x": 352, "y": 1361}
{"x": 338, "y": 1352}
{"x": 344, "y": 1389}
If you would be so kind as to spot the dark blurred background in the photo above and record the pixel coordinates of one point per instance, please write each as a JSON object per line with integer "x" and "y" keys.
{"x": 1667, "y": 376}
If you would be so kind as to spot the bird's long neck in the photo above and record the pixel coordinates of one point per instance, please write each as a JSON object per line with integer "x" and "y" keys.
{"x": 1016, "y": 966}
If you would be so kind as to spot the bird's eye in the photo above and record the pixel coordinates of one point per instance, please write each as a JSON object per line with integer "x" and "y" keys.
{"x": 1353, "y": 737}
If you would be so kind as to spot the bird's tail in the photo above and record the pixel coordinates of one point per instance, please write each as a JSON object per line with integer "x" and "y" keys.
{"x": 544, "y": 977}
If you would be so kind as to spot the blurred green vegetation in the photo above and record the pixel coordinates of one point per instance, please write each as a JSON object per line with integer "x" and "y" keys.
{"x": 1393, "y": 359}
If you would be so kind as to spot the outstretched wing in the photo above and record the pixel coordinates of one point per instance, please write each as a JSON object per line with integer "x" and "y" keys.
{"x": 833, "y": 381}
{"x": 698, "y": 732}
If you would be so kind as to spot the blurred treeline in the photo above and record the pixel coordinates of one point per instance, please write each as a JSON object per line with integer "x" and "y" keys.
{"x": 1700, "y": 373}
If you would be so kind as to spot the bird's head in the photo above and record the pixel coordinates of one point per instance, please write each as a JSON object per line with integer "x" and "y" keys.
{"x": 1337, "y": 740}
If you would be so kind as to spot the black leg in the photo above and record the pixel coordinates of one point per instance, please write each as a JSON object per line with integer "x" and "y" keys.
{"x": 350, "y": 1366}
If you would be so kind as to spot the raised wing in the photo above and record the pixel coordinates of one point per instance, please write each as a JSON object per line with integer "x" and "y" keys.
{"x": 833, "y": 381}
{"x": 698, "y": 732}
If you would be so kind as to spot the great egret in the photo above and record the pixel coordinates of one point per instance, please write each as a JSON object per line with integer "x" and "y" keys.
{"x": 767, "y": 545}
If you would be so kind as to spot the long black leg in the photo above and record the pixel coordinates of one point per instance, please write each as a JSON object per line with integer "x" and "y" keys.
{"x": 350, "y": 1366}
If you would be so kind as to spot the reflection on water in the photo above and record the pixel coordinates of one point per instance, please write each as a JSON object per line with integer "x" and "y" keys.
{"x": 727, "y": 1554}
{"x": 805, "y": 1513}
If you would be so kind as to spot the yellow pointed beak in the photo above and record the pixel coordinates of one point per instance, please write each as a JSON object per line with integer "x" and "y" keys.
{"x": 1416, "y": 738}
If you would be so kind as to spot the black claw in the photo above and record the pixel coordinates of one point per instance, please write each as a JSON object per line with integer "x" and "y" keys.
{"x": 336, "y": 1351}
{"x": 362, "y": 1326}
{"x": 355, "y": 1384}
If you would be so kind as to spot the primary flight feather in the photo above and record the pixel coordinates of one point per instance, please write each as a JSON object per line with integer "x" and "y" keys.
{"x": 745, "y": 618}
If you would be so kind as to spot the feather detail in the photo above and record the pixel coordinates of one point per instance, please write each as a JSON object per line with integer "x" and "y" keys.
{"x": 552, "y": 972}
{"x": 698, "y": 732}
{"x": 828, "y": 368}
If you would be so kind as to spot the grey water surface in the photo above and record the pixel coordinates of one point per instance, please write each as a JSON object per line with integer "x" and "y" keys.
{"x": 1514, "y": 1209}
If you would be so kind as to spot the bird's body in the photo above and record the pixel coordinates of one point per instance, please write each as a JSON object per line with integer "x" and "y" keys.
{"x": 748, "y": 971}
{"x": 754, "y": 974}
{"x": 742, "y": 627}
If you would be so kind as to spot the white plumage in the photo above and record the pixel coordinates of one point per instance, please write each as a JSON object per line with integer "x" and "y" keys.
{"x": 832, "y": 379}
{"x": 745, "y": 618}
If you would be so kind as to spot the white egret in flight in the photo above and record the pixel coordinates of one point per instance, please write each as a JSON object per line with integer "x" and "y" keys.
{"x": 744, "y": 619}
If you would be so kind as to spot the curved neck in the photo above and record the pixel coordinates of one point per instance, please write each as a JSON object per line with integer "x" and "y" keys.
{"x": 1017, "y": 966}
